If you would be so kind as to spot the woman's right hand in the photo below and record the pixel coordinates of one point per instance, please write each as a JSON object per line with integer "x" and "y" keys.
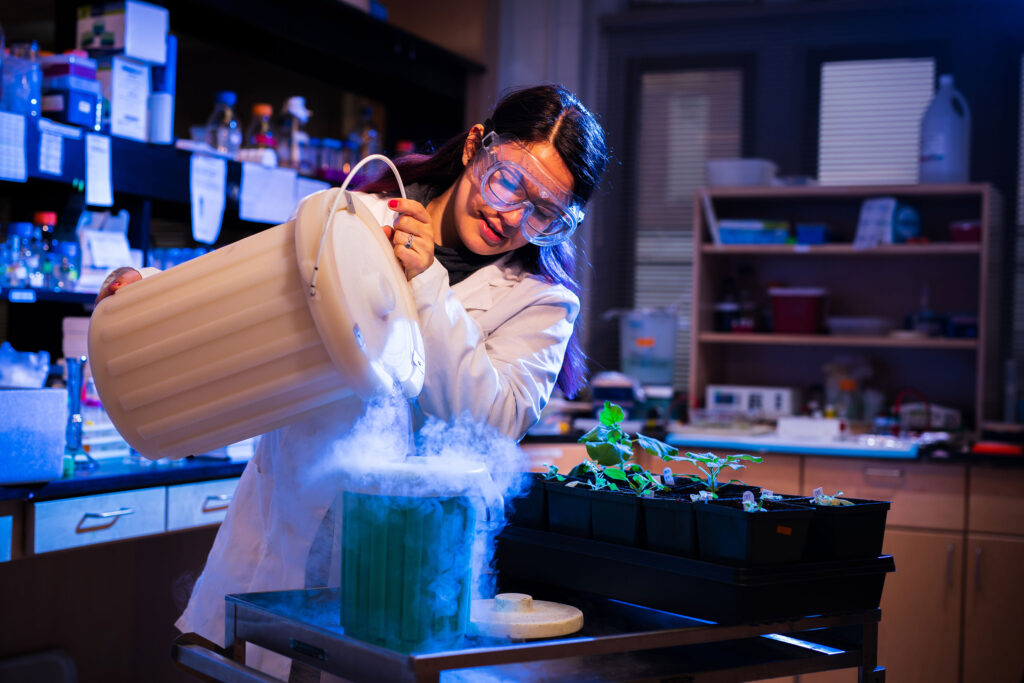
{"x": 116, "y": 280}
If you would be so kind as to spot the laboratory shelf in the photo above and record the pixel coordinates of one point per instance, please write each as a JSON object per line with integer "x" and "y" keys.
{"x": 931, "y": 249}
{"x": 838, "y": 340}
{"x": 27, "y": 295}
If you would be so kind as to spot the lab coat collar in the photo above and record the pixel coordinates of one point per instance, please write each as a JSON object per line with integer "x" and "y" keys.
{"x": 477, "y": 291}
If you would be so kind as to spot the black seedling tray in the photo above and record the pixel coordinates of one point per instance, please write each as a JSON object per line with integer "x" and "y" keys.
{"x": 707, "y": 590}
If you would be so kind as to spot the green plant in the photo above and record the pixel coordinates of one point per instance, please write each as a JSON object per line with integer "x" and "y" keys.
{"x": 818, "y": 497}
{"x": 552, "y": 473}
{"x": 611, "y": 448}
{"x": 711, "y": 466}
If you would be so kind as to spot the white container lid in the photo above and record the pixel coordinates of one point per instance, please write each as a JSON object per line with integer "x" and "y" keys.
{"x": 363, "y": 307}
{"x": 797, "y": 291}
{"x": 517, "y": 615}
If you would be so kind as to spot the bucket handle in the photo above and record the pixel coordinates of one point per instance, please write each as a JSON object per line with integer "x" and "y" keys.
{"x": 343, "y": 194}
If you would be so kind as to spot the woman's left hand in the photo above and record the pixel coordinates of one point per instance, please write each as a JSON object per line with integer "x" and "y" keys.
{"x": 412, "y": 236}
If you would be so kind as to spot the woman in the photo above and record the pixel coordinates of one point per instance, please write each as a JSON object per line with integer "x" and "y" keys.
{"x": 484, "y": 240}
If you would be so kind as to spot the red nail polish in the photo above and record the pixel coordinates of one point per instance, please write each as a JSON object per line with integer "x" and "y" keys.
{"x": 393, "y": 204}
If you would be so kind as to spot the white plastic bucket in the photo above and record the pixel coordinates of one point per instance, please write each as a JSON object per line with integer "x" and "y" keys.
{"x": 233, "y": 344}
{"x": 647, "y": 344}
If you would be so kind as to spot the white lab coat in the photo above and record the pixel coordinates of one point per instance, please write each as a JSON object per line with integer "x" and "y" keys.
{"x": 494, "y": 346}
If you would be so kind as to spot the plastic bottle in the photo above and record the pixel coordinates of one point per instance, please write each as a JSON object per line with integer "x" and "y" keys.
{"x": 945, "y": 137}
{"x": 222, "y": 130}
{"x": 66, "y": 267}
{"x": 261, "y": 132}
{"x": 292, "y": 136}
{"x": 22, "y": 81}
{"x": 45, "y": 225}
{"x": 19, "y": 256}
{"x": 365, "y": 136}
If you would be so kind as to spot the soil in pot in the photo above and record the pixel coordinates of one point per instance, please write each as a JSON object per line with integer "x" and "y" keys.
{"x": 844, "y": 532}
{"x": 530, "y": 510}
{"x": 727, "y": 533}
{"x": 569, "y": 508}
{"x": 617, "y": 518}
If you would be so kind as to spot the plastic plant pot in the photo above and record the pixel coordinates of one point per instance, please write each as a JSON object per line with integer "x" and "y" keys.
{"x": 569, "y": 508}
{"x": 841, "y": 532}
{"x": 727, "y": 533}
{"x": 671, "y": 525}
{"x": 530, "y": 510}
{"x": 616, "y": 518}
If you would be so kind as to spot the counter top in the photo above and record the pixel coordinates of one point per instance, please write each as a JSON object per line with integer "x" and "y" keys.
{"x": 866, "y": 446}
{"x": 118, "y": 474}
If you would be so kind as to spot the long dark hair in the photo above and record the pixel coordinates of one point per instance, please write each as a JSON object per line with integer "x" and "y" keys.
{"x": 541, "y": 113}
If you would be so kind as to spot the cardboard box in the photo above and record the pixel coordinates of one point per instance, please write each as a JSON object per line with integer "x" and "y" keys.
{"x": 133, "y": 28}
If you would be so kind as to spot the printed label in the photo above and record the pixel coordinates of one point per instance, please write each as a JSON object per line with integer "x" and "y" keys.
{"x": 784, "y": 530}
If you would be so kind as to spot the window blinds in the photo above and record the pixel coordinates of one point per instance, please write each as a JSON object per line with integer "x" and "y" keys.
{"x": 870, "y": 124}
{"x": 686, "y": 118}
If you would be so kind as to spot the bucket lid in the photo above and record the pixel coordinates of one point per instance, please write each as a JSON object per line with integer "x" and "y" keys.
{"x": 518, "y": 615}
{"x": 362, "y": 306}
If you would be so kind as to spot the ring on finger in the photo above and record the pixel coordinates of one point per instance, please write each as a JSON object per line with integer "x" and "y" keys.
{"x": 408, "y": 242}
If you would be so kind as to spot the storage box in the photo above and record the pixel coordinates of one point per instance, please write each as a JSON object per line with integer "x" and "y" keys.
{"x": 136, "y": 29}
{"x": 797, "y": 310}
{"x": 77, "y": 65}
{"x": 858, "y": 326}
{"x": 77, "y": 107}
{"x": 32, "y": 434}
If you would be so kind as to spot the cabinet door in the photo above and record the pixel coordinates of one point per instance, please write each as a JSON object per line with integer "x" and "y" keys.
{"x": 924, "y": 495}
{"x": 994, "y": 632}
{"x": 995, "y": 500}
{"x": 919, "y": 637}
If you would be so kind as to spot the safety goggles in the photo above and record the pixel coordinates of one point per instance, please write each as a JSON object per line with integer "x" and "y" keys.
{"x": 512, "y": 179}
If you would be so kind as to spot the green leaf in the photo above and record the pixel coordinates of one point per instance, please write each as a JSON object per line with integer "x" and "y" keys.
{"x": 657, "y": 448}
{"x": 615, "y": 473}
{"x": 611, "y": 414}
{"x": 608, "y": 454}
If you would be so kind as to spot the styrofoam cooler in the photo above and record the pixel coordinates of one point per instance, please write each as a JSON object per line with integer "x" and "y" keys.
{"x": 233, "y": 344}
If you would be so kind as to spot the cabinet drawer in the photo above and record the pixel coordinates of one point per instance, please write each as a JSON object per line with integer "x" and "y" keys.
{"x": 995, "y": 500}
{"x": 923, "y": 495}
{"x": 88, "y": 520}
{"x": 199, "y": 504}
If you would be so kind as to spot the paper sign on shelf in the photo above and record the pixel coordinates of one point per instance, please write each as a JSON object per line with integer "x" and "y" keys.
{"x": 268, "y": 194}
{"x": 207, "y": 185}
{"x": 105, "y": 249}
{"x": 51, "y": 153}
{"x": 98, "y": 184}
{"x": 12, "y": 147}
{"x": 129, "y": 98}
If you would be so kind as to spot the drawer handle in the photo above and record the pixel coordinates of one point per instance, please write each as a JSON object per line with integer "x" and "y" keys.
{"x": 223, "y": 499}
{"x": 887, "y": 472}
{"x": 112, "y": 516}
{"x": 949, "y": 565}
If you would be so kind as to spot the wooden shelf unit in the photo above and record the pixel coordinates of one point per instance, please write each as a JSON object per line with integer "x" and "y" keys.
{"x": 886, "y": 281}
